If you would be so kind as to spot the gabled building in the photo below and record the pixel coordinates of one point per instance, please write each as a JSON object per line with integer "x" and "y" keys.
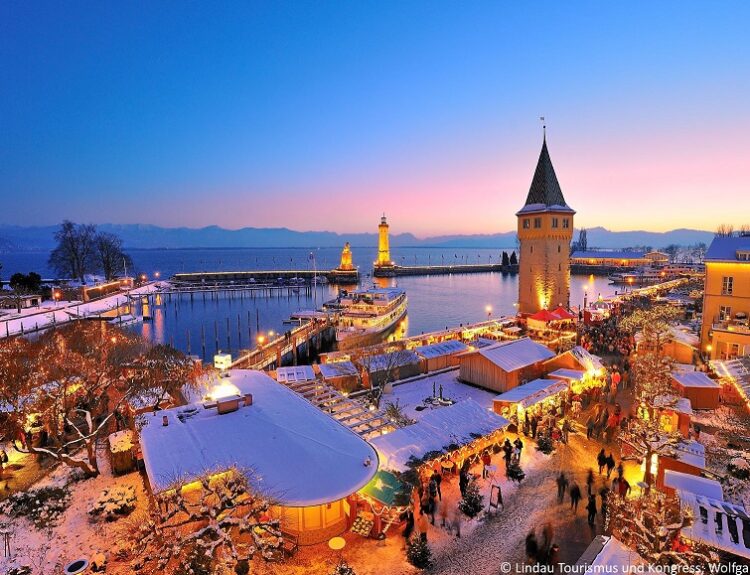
{"x": 726, "y": 300}
{"x": 545, "y": 230}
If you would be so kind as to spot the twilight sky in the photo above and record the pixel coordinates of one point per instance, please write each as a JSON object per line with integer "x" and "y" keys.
{"x": 322, "y": 115}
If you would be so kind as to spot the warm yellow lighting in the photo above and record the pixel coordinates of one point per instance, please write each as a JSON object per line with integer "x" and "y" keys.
{"x": 709, "y": 347}
{"x": 261, "y": 339}
{"x": 270, "y": 334}
{"x": 156, "y": 274}
{"x": 224, "y": 389}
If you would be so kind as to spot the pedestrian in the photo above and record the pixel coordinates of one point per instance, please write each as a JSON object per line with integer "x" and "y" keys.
{"x": 620, "y": 470}
{"x": 486, "y": 462}
{"x": 604, "y": 494}
{"x": 534, "y": 425}
{"x": 575, "y": 497}
{"x": 601, "y": 460}
{"x": 565, "y": 430}
{"x": 562, "y": 486}
{"x": 463, "y": 480}
{"x": 532, "y": 546}
{"x": 591, "y": 508}
{"x": 422, "y": 526}
{"x": 408, "y": 518}
{"x": 624, "y": 487}
{"x": 519, "y": 446}
{"x": 507, "y": 452}
{"x": 610, "y": 464}
{"x": 438, "y": 480}
{"x": 590, "y": 427}
{"x": 590, "y": 481}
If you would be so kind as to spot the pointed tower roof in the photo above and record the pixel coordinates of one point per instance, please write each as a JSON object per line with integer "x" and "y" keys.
{"x": 545, "y": 193}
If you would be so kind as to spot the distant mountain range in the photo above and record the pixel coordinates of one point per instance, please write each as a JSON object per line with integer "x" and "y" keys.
{"x": 139, "y": 236}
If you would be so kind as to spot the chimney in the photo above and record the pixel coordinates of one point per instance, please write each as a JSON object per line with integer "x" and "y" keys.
{"x": 164, "y": 420}
{"x": 248, "y": 399}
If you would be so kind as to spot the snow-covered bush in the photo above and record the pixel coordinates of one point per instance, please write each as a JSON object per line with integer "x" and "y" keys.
{"x": 42, "y": 506}
{"x": 739, "y": 467}
{"x": 24, "y": 570}
{"x": 343, "y": 568}
{"x": 114, "y": 503}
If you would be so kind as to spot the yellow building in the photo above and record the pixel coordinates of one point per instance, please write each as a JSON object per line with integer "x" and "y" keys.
{"x": 384, "y": 250}
{"x": 346, "y": 258}
{"x": 726, "y": 301}
{"x": 545, "y": 230}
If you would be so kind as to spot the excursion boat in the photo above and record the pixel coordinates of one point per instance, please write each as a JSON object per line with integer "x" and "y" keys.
{"x": 641, "y": 278}
{"x": 366, "y": 316}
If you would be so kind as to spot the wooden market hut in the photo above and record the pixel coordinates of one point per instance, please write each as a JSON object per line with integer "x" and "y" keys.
{"x": 504, "y": 365}
{"x": 440, "y": 355}
{"x": 343, "y": 375}
{"x": 701, "y": 390}
{"x": 515, "y": 401}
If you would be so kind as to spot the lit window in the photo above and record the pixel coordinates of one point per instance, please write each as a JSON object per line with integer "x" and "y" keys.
{"x": 725, "y": 312}
{"x": 727, "y": 284}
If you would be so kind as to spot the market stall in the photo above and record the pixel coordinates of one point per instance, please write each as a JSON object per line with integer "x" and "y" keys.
{"x": 539, "y": 395}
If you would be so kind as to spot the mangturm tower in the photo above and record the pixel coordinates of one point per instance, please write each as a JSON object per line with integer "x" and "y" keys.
{"x": 384, "y": 250}
{"x": 545, "y": 230}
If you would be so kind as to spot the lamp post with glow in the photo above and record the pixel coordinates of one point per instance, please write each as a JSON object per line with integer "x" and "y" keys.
{"x": 488, "y": 309}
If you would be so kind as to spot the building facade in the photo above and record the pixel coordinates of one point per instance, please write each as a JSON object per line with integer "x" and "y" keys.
{"x": 545, "y": 230}
{"x": 726, "y": 299}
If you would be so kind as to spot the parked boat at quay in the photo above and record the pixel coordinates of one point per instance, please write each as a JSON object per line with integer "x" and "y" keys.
{"x": 366, "y": 316}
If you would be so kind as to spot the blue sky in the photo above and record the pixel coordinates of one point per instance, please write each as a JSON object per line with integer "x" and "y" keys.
{"x": 321, "y": 115}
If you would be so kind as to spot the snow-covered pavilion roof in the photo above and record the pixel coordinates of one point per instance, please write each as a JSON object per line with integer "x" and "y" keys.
{"x": 533, "y": 392}
{"x": 706, "y": 511}
{"x": 458, "y": 424}
{"x": 693, "y": 484}
{"x": 516, "y": 354}
{"x": 568, "y": 374}
{"x": 295, "y": 373}
{"x": 450, "y": 347}
{"x": 607, "y": 550}
{"x": 337, "y": 369}
{"x": 293, "y": 451}
{"x": 694, "y": 379}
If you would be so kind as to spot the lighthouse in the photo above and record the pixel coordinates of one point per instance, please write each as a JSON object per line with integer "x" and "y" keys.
{"x": 384, "y": 250}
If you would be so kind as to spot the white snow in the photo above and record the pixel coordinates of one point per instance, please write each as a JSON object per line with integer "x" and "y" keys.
{"x": 121, "y": 441}
{"x": 694, "y": 379}
{"x": 434, "y": 350}
{"x": 458, "y": 424}
{"x": 693, "y": 484}
{"x": 516, "y": 354}
{"x": 533, "y": 392}
{"x": 609, "y": 552}
{"x": 337, "y": 369}
{"x": 294, "y": 451}
{"x": 295, "y": 373}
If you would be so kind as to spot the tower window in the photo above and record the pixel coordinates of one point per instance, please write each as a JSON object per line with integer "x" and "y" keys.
{"x": 555, "y": 223}
{"x": 526, "y": 224}
{"x": 531, "y": 249}
{"x": 537, "y": 223}
{"x": 559, "y": 248}
{"x": 566, "y": 223}
{"x": 559, "y": 267}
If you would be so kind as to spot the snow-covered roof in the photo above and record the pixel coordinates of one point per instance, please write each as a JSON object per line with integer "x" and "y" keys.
{"x": 605, "y": 551}
{"x": 391, "y": 360}
{"x": 434, "y": 350}
{"x": 586, "y": 359}
{"x": 691, "y": 452}
{"x": 337, "y": 369}
{"x": 295, "y": 452}
{"x": 678, "y": 404}
{"x": 516, "y": 354}
{"x": 295, "y": 373}
{"x": 736, "y": 369}
{"x": 706, "y": 511}
{"x": 460, "y": 424}
{"x": 724, "y": 249}
{"x": 533, "y": 392}
{"x": 694, "y": 379}
{"x": 693, "y": 484}
{"x": 680, "y": 334}
{"x": 569, "y": 374}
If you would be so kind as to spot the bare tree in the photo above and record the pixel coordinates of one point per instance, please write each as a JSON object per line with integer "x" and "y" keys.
{"x": 205, "y": 527}
{"x": 74, "y": 255}
{"x": 724, "y": 230}
{"x": 109, "y": 255}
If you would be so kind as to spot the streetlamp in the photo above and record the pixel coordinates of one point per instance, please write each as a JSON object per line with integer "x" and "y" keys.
{"x": 156, "y": 275}
{"x": 488, "y": 309}
{"x": 270, "y": 334}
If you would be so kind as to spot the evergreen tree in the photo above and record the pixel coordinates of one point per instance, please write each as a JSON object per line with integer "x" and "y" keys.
{"x": 473, "y": 501}
{"x": 506, "y": 259}
{"x": 418, "y": 553}
{"x": 513, "y": 259}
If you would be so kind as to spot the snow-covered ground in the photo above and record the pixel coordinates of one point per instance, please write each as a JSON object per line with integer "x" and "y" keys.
{"x": 412, "y": 393}
{"x": 51, "y": 313}
{"x": 75, "y": 535}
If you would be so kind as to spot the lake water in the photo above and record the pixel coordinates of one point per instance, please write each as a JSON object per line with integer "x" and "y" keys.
{"x": 435, "y": 302}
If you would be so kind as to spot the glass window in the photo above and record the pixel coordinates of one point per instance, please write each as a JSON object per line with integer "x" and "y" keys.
{"x": 555, "y": 223}
{"x": 526, "y": 223}
{"x": 537, "y": 223}
{"x": 725, "y": 312}
{"x": 566, "y": 223}
{"x": 727, "y": 285}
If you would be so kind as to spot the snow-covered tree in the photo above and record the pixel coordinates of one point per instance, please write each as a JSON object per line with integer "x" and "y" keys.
{"x": 63, "y": 391}
{"x": 473, "y": 501}
{"x": 651, "y": 526}
{"x": 223, "y": 523}
{"x": 655, "y": 324}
